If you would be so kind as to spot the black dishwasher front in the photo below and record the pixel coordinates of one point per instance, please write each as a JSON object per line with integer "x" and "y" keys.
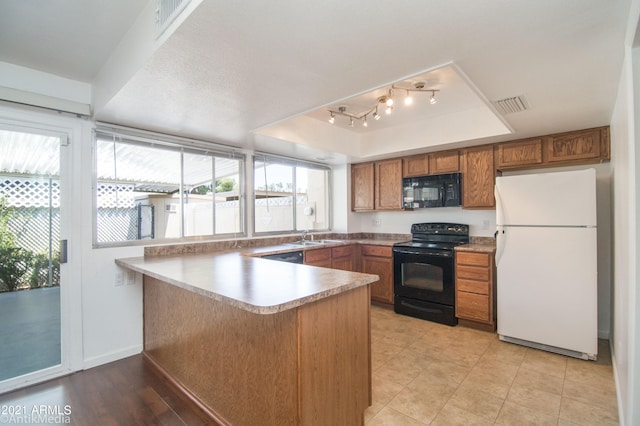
{"x": 291, "y": 257}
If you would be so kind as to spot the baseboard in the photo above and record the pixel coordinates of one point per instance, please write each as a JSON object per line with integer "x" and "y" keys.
{"x": 621, "y": 417}
{"x": 111, "y": 356}
{"x": 604, "y": 334}
{"x": 217, "y": 419}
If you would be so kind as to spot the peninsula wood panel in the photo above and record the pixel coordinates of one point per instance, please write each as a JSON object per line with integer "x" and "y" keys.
{"x": 334, "y": 386}
{"x": 362, "y": 183}
{"x": 519, "y": 154}
{"x": 388, "y": 184}
{"x": 309, "y": 365}
{"x": 189, "y": 336}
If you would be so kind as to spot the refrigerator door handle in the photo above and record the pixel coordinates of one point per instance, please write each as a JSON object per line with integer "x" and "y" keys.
{"x": 500, "y": 243}
{"x": 499, "y": 207}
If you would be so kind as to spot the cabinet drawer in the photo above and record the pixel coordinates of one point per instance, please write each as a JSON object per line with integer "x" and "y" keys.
{"x": 474, "y": 259}
{"x": 380, "y": 251}
{"x": 342, "y": 251}
{"x": 472, "y": 273}
{"x": 317, "y": 255}
{"x": 472, "y": 306}
{"x": 472, "y": 286}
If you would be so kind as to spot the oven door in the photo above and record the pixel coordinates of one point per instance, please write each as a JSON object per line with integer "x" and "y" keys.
{"x": 424, "y": 275}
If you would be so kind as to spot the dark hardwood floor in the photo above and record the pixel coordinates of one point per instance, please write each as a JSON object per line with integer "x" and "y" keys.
{"x": 125, "y": 392}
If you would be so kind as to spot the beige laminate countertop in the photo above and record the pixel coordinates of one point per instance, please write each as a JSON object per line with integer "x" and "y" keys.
{"x": 244, "y": 280}
{"x": 477, "y": 248}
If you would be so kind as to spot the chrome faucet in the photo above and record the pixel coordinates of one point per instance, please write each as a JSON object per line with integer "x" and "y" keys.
{"x": 303, "y": 236}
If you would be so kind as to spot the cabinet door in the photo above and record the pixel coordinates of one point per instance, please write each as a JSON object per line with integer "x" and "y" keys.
{"x": 574, "y": 146}
{"x": 362, "y": 182}
{"x": 519, "y": 154}
{"x": 478, "y": 178}
{"x": 381, "y": 291}
{"x": 388, "y": 184}
{"x": 416, "y": 165}
{"x": 343, "y": 258}
{"x": 318, "y": 257}
{"x": 444, "y": 162}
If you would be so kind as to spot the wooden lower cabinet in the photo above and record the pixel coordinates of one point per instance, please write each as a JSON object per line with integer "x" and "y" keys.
{"x": 378, "y": 260}
{"x": 475, "y": 289}
{"x": 318, "y": 257}
{"x": 344, "y": 258}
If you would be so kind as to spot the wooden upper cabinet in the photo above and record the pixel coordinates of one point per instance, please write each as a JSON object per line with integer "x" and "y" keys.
{"x": 416, "y": 165}
{"x": 519, "y": 154}
{"x": 388, "y": 184}
{"x": 444, "y": 162}
{"x": 576, "y": 146}
{"x": 362, "y": 182}
{"x": 478, "y": 177}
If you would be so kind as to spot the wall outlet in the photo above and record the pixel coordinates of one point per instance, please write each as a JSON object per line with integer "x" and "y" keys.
{"x": 377, "y": 222}
{"x": 119, "y": 278}
{"x": 485, "y": 225}
{"x": 129, "y": 278}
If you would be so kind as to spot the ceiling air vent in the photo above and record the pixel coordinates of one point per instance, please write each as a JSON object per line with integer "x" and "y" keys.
{"x": 167, "y": 11}
{"x": 511, "y": 105}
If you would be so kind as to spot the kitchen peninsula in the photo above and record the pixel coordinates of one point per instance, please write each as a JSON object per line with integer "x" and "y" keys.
{"x": 256, "y": 341}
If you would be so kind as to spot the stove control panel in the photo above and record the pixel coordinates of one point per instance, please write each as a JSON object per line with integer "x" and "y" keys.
{"x": 440, "y": 228}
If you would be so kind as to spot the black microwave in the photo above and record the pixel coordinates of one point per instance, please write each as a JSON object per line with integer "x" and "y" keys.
{"x": 431, "y": 191}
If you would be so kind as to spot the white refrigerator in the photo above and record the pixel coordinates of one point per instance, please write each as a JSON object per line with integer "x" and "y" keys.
{"x": 546, "y": 259}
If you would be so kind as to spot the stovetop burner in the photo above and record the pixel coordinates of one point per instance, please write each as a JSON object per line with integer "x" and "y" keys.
{"x": 437, "y": 236}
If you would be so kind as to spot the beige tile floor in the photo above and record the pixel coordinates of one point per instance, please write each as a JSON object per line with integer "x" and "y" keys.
{"x": 426, "y": 373}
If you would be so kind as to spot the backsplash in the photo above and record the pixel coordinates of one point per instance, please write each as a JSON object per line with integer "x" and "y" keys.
{"x": 212, "y": 246}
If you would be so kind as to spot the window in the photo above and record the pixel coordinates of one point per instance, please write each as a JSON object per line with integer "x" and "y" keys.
{"x": 148, "y": 188}
{"x": 290, "y": 195}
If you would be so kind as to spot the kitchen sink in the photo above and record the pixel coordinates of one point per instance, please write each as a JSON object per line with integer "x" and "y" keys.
{"x": 304, "y": 243}
{"x": 313, "y": 243}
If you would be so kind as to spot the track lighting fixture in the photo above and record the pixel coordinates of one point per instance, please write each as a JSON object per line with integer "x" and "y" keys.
{"x": 408, "y": 100}
{"x": 387, "y": 100}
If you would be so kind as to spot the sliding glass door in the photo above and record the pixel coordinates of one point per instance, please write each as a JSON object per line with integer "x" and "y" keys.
{"x": 30, "y": 226}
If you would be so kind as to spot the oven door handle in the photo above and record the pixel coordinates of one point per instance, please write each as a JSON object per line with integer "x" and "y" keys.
{"x": 423, "y": 253}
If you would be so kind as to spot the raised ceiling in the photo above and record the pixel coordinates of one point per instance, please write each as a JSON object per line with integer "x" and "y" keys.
{"x": 259, "y": 75}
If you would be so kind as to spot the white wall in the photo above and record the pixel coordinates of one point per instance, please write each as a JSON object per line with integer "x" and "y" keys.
{"x": 625, "y": 163}
{"x": 104, "y": 321}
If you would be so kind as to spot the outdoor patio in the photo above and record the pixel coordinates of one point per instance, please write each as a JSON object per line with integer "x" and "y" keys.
{"x": 29, "y": 331}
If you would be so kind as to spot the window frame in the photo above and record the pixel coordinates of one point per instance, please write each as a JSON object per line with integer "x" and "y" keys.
{"x": 293, "y": 162}
{"x": 169, "y": 143}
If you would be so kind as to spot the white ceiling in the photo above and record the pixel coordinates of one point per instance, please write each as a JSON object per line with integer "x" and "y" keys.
{"x": 252, "y": 73}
